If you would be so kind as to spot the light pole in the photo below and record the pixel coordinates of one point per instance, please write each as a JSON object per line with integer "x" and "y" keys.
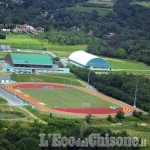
{"x": 36, "y": 82}
{"x": 89, "y": 75}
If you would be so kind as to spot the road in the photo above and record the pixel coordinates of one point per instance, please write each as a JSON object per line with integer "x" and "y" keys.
{"x": 15, "y": 101}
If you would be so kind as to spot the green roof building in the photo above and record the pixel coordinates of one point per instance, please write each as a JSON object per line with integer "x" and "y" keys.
{"x": 29, "y": 60}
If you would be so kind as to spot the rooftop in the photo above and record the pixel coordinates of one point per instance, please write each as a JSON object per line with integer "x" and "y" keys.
{"x": 31, "y": 59}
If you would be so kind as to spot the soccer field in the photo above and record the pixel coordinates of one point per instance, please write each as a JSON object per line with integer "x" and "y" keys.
{"x": 66, "y": 98}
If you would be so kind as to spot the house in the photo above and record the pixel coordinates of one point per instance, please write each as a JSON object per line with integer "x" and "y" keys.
{"x": 25, "y": 28}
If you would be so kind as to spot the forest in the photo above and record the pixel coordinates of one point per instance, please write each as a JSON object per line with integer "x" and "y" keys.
{"x": 122, "y": 33}
{"x": 25, "y": 136}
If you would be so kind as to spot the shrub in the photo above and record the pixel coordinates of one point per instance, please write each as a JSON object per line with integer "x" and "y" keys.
{"x": 120, "y": 114}
{"x": 2, "y": 35}
{"x": 109, "y": 118}
{"x": 88, "y": 118}
{"x": 137, "y": 114}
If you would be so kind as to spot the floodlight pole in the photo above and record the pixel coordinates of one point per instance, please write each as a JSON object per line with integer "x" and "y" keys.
{"x": 35, "y": 91}
{"x": 135, "y": 97}
{"x": 89, "y": 75}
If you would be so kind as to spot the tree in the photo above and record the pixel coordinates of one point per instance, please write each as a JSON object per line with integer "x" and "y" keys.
{"x": 109, "y": 118}
{"x": 137, "y": 114}
{"x": 88, "y": 118}
{"x": 121, "y": 53}
{"x": 120, "y": 115}
{"x": 2, "y": 35}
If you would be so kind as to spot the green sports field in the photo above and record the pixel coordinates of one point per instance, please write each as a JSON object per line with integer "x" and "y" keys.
{"x": 66, "y": 98}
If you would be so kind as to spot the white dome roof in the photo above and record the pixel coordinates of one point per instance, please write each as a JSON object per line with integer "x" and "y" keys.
{"x": 81, "y": 57}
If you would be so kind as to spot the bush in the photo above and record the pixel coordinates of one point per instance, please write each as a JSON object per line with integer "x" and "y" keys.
{"x": 2, "y": 35}
{"x": 88, "y": 118}
{"x": 137, "y": 114}
{"x": 120, "y": 114}
{"x": 56, "y": 59}
{"x": 109, "y": 118}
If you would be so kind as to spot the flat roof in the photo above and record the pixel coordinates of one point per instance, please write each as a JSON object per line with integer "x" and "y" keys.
{"x": 31, "y": 59}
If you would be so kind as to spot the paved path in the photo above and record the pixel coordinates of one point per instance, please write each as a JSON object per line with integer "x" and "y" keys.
{"x": 32, "y": 115}
{"x": 14, "y": 101}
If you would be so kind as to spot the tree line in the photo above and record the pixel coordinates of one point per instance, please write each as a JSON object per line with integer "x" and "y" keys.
{"x": 66, "y": 37}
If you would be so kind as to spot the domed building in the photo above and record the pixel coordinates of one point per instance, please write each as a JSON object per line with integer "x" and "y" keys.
{"x": 84, "y": 59}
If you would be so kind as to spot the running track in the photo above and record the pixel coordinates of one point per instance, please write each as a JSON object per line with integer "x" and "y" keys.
{"x": 11, "y": 88}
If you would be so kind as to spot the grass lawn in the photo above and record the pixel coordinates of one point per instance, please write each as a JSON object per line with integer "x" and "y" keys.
{"x": 2, "y": 101}
{"x": 2, "y": 55}
{"x": 22, "y": 41}
{"x": 122, "y": 65}
{"x": 126, "y": 64}
{"x": 9, "y": 115}
{"x": 10, "y": 112}
{"x": 144, "y": 3}
{"x": 52, "y": 78}
{"x": 101, "y": 11}
{"x": 66, "y": 97}
{"x": 25, "y": 41}
{"x": 65, "y": 50}
{"x": 110, "y": 4}
{"x": 65, "y": 75}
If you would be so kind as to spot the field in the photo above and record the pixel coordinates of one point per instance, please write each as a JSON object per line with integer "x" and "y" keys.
{"x": 65, "y": 98}
{"x": 49, "y": 77}
{"x": 109, "y": 4}
{"x": 101, "y": 11}
{"x": 65, "y": 50}
{"x": 144, "y": 3}
{"x": 10, "y": 112}
{"x": 25, "y": 41}
{"x": 61, "y": 94}
{"x": 122, "y": 65}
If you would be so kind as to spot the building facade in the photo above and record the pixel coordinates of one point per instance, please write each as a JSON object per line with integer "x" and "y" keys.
{"x": 84, "y": 59}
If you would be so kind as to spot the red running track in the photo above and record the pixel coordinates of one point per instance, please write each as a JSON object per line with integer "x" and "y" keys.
{"x": 101, "y": 110}
{"x": 41, "y": 85}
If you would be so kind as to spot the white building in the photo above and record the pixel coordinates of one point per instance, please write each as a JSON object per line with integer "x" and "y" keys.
{"x": 84, "y": 59}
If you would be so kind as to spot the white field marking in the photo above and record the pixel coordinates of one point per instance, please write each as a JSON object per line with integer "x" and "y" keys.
{"x": 42, "y": 103}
